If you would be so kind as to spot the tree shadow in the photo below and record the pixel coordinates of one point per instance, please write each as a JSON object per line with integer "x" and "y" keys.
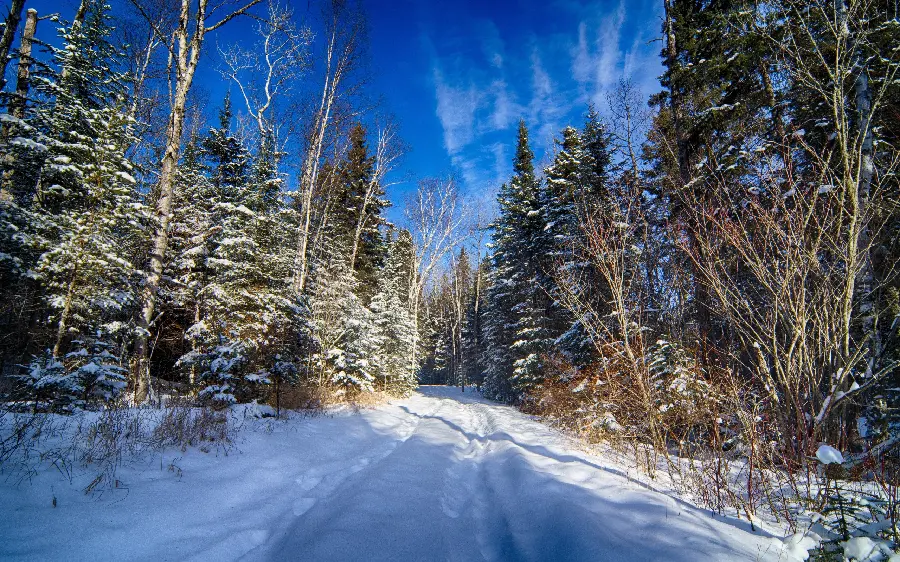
{"x": 434, "y": 497}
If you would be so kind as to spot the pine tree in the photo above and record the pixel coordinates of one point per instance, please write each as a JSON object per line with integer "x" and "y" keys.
{"x": 565, "y": 180}
{"x": 343, "y": 329}
{"x": 473, "y": 336}
{"x": 86, "y": 214}
{"x": 247, "y": 321}
{"x": 356, "y": 219}
{"x": 191, "y": 242}
{"x": 577, "y": 186}
{"x": 497, "y": 359}
{"x": 393, "y": 318}
{"x": 522, "y": 213}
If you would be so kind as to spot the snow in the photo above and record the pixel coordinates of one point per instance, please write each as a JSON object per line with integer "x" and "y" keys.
{"x": 127, "y": 177}
{"x": 30, "y": 144}
{"x": 829, "y": 455}
{"x": 798, "y": 545}
{"x": 440, "y": 475}
{"x": 864, "y": 549}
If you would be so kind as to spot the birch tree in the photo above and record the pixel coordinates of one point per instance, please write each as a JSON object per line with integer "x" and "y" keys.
{"x": 435, "y": 215}
{"x": 268, "y": 70}
{"x": 344, "y": 29}
{"x": 196, "y": 19}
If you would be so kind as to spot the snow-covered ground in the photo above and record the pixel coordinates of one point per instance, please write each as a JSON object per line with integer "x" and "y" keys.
{"x": 439, "y": 476}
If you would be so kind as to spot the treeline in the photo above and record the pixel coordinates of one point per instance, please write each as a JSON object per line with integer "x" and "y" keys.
{"x": 143, "y": 251}
{"x": 715, "y": 270}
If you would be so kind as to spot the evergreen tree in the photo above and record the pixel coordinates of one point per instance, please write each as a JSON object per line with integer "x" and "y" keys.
{"x": 357, "y": 218}
{"x": 244, "y": 320}
{"x": 516, "y": 328}
{"x": 498, "y": 337}
{"x": 522, "y": 213}
{"x": 473, "y": 336}
{"x": 86, "y": 215}
{"x": 343, "y": 328}
{"x": 393, "y": 318}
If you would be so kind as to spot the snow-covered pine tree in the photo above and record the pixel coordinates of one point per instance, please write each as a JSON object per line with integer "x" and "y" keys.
{"x": 356, "y": 218}
{"x": 86, "y": 217}
{"x": 563, "y": 183}
{"x": 577, "y": 186}
{"x": 276, "y": 322}
{"x": 236, "y": 267}
{"x": 219, "y": 354}
{"x": 521, "y": 216}
{"x": 342, "y": 328}
{"x": 473, "y": 328}
{"x": 190, "y": 241}
{"x": 394, "y": 323}
{"x": 498, "y": 337}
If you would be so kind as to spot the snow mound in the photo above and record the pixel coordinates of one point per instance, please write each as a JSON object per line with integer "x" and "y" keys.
{"x": 798, "y": 545}
{"x": 864, "y": 549}
{"x": 829, "y": 455}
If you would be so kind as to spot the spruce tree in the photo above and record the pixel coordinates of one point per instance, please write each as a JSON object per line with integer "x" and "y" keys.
{"x": 525, "y": 276}
{"x": 80, "y": 229}
{"x": 357, "y": 217}
{"x": 394, "y": 323}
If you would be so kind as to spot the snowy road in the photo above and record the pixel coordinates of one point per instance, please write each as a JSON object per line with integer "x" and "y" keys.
{"x": 466, "y": 479}
{"x": 439, "y": 476}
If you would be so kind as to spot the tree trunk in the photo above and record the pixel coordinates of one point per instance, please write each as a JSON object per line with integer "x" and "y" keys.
{"x": 18, "y": 102}
{"x": 188, "y": 55}
{"x": 311, "y": 165}
{"x": 865, "y": 286}
{"x": 6, "y": 39}
{"x": 64, "y": 315}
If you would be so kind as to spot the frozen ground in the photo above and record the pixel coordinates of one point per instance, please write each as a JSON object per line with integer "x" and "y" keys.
{"x": 439, "y": 476}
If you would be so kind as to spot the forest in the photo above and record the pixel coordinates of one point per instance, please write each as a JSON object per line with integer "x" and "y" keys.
{"x": 704, "y": 275}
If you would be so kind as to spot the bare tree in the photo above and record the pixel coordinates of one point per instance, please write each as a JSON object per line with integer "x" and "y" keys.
{"x": 435, "y": 217}
{"x": 830, "y": 53}
{"x": 267, "y": 71}
{"x": 388, "y": 150}
{"x": 629, "y": 118}
{"x": 606, "y": 249}
{"x": 345, "y": 31}
{"x": 185, "y": 49}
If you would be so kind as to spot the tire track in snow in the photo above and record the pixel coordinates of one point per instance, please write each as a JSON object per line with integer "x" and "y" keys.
{"x": 321, "y": 482}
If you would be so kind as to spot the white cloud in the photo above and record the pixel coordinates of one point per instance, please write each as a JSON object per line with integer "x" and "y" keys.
{"x": 456, "y": 107}
{"x": 597, "y": 58}
{"x": 505, "y": 108}
{"x": 610, "y": 55}
{"x": 485, "y": 82}
{"x": 502, "y": 165}
{"x": 549, "y": 107}
{"x": 582, "y": 60}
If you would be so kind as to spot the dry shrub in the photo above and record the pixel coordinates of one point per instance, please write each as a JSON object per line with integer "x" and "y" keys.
{"x": 117, "y": 434}
{"x": 308, "y": 397}
{"x": 371, "y": 399}
{"x": 315, "y": 398}
{"x": 185, "y": 426}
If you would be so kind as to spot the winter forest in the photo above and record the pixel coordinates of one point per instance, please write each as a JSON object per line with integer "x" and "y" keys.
{"x": 700, "y": 279}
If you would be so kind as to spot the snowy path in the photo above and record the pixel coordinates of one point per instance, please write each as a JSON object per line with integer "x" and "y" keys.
{"x": 439, "y": 476}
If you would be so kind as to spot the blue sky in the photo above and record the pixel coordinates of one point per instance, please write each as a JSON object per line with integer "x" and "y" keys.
{"x": 459, "y": 74}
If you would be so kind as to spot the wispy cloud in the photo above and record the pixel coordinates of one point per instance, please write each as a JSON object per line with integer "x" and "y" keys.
{"x": 547, "y": 106}
{"x": 603, "y": 53}
{"x": 456, "y": 107}
{"x": 610, "y": 54}
{"x": 487, "y": 78}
